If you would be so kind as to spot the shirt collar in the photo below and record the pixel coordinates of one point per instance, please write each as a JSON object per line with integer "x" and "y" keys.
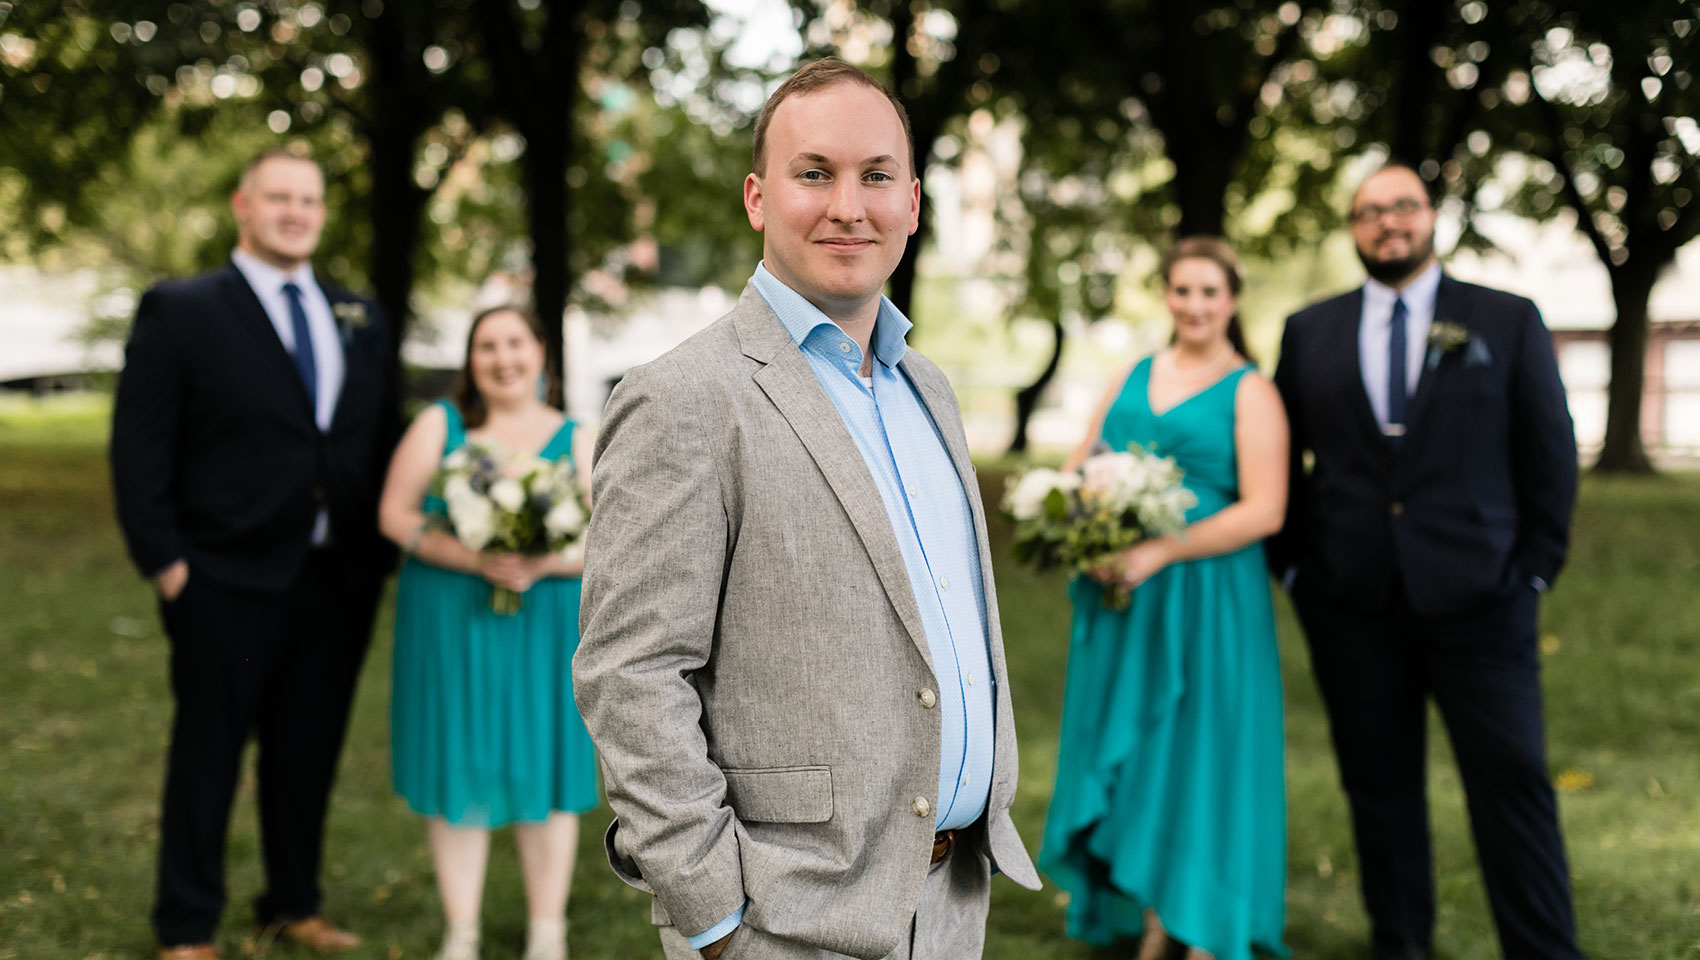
{"x": 801, "y": 318}
{"x": 1419, "y": 294}
{"x": 265, "y": 277}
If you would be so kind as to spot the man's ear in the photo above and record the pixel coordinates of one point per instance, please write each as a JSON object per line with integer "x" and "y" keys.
{"x": 752, "y": 202}
{"x": 914, "y": 205}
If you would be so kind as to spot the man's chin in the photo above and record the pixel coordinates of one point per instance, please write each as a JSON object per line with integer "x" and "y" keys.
{"x": 1392, "y": 270}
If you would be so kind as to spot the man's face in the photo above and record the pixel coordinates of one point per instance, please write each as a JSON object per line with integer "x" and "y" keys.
{"x": 837, "y": 202}
{"x": 280, "y": 209}
{"x": 1393, "y": 225}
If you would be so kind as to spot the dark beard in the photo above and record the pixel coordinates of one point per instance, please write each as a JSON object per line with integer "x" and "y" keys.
{"x": 1391, "y": 272}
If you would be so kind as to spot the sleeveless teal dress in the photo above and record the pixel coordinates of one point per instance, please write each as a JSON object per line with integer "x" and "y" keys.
{"x": 484, "y": 730}
{"x": 1170, "y": 790}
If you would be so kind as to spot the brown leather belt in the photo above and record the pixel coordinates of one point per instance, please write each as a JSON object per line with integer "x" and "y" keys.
{"x": 943, "y": 842}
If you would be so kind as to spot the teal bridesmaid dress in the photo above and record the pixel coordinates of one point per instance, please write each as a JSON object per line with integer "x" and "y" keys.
{"x": 483, "y": 727}
{"x": 1170, "y": 790}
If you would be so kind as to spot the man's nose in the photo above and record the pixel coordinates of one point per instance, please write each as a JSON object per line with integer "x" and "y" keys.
{"x": 845, "y": 205}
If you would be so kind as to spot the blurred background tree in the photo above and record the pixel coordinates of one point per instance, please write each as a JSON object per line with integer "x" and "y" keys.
{"x": 593, "y": 148}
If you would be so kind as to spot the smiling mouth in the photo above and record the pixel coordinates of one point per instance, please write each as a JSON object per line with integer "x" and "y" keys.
{"x": 846, "y": 244}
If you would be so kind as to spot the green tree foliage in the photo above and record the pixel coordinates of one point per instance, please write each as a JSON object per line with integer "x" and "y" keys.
{"x": 1611, "y": 99}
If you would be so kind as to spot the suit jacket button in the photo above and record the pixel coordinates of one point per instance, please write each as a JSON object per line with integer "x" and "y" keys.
{"x": 922, "y": 807}
{"x": 1398, "y": 508}
{"x": 928, "y": 699}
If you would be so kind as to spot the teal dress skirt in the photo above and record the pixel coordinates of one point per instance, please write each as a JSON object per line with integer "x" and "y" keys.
{"x": 1170, "y": 790}
{"x": 483, "y": 727}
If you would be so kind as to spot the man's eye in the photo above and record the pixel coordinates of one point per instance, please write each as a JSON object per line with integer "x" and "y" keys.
{"x": 880, "y": 176}
{"x": 813, "y": 175}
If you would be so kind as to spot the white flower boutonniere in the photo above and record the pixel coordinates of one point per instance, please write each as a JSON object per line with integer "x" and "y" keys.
{"x": 351, "y": 318}
{"x": 1444, "y": 337}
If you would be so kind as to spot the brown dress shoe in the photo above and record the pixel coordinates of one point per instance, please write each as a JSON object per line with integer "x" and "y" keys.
{"x": 192, "y": 951}
{"x": 314, "y": 933}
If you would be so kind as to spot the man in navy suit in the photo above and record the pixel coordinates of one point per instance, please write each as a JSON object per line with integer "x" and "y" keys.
{"x": 1434, "y": 474}
{"x": 250, "y": 435}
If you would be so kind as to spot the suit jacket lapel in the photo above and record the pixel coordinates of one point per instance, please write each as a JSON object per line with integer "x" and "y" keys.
{"x": 1345, "y": 333}
{"x": 790, "y": 384}
{"x": 355, "y": 346}
{"x": 1448, "y": 307}
{"x": 251, "y": 316}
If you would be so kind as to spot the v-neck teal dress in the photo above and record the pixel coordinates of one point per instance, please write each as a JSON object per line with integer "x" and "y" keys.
{"x": 483, "y": 727}
{"x": 1170, "y": 790}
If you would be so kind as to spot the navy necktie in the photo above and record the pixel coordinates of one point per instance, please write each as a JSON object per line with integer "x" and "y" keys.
{"x": 305, "y": 364}
{"x": 1396, "y": 370}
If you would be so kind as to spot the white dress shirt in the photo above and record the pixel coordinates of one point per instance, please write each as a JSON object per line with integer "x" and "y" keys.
{"x": 268, "y": 282}
{"x": 328, "y": 361}
{"x": 1375, "y": 327}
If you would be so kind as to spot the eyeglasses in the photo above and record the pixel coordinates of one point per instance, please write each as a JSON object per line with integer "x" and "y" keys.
{"x": 1403, "y": 208}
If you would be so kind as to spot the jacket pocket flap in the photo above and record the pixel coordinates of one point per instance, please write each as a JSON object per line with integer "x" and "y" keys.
{"x": 780, "y": 794}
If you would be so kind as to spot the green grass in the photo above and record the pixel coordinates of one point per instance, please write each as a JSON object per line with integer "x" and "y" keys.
{"x": 84, "y": 712}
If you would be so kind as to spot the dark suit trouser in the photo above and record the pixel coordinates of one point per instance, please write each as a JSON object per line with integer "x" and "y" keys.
{"x": 1375, "y": 672}
{"x": 283, "y": 668}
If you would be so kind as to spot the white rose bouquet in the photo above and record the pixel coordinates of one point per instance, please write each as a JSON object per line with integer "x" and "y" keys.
{"x": 1080, "y": 520}
{"x": 503, "y": 503}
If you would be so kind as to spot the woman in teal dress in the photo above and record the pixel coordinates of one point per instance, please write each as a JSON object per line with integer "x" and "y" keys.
{"x": 484, "y": 731}
{"x": 1168, "y": 820}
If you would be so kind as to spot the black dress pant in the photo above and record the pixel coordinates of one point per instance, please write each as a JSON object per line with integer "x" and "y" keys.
{"x": 283, "y": 668}
{"x": 1375, "y": 672}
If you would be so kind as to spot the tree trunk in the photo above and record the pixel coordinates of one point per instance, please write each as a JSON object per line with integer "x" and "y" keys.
{"x": 397, "y": 202}
{"x": 1624, "y": 451}
{"x": 1027, "y": 398}
{"x": 924, "y": 126}
{"x": 1412, "y": 96}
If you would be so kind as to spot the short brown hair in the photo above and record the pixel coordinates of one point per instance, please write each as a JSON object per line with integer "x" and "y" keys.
{"x": 467, "y": 399}
{"x": 275, "y": 153}
{"x": 1217, "y": 251}
{"x": 819, "y": 75}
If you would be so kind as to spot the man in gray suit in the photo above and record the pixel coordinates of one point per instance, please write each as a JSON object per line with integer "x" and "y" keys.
{"x": 791, "y": 660}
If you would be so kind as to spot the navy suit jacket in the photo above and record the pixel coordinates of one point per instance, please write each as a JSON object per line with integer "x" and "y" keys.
{"x": 216, "y": 457}
{"x": 1473, "y": 504}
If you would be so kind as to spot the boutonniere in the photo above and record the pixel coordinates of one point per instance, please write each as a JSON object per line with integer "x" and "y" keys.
{"x": 351, "y": 318}
{"x": 1447, "y": 336}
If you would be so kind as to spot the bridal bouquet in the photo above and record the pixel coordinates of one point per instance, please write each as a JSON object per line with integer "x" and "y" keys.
{"x": 1081, "y": 519}
{"x": 504, "y": 503}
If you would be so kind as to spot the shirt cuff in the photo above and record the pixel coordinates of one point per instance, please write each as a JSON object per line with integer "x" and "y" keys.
{"x": 1539, "y": 584}
{"x": 717, "y": 931}
{"x": 1288, "y": 577}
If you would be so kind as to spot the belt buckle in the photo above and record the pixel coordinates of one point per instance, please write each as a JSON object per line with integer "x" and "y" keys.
{"x": 943, "y": 843}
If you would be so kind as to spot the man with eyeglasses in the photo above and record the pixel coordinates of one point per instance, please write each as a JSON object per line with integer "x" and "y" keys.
{"x": 1433, "y": 478}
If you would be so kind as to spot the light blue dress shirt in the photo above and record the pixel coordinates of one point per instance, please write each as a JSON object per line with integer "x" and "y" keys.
{"x": 1375, "y": 327}
{"x": 934, "y": 525}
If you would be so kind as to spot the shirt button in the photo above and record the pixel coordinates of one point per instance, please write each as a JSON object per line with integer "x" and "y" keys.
{"x": 844, "y": 348}
{"x": 928, "y": 699}
{"x": 970, "y": 679}
{"x": 922, "y": 807}
{"x": 965, "y": 779}
{"x": 1398, "y": 508}
{"x": 944, "y": 583}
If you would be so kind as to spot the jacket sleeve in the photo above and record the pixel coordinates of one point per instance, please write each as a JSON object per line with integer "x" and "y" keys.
{"x": 655, "y": 557}
{"x": 1543, "y": 453}
{"x": 1280, "y": 550}
{"x": 145, "y": 424}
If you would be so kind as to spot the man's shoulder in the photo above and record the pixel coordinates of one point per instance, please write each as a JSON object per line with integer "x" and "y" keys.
{"x": 1488, "y": 298}
{"x": 691, "y": 370}
{"x": 1327, "y": 307}
{"x": 188, "y": 288}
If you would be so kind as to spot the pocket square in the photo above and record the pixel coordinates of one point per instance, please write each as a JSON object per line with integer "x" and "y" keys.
{"x": 1477, "y": 353}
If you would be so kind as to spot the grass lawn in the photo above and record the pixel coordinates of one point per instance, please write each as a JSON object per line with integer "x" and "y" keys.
{"x": 84, "y": 712}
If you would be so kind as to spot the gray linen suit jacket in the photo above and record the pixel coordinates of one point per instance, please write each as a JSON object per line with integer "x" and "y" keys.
{"x": 752, "y": 667}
